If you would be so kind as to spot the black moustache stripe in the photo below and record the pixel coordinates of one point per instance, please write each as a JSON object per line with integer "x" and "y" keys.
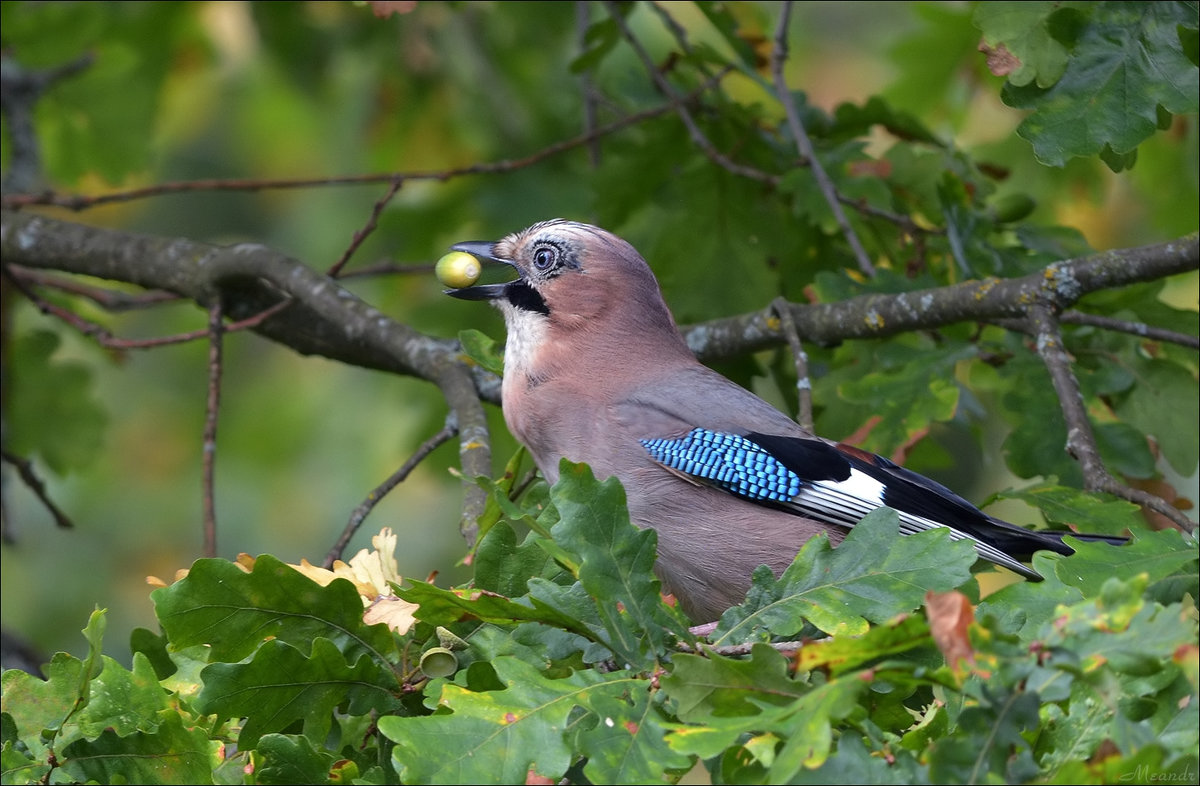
{"x": 526, "y": 298}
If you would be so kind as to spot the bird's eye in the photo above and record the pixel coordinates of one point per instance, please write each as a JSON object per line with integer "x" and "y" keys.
{"x": 544, "y": 257}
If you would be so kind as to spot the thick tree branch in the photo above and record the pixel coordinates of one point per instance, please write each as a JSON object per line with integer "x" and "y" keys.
{"x": 877, "y": 316}
{"x": 329, "y": 321}
{"x": 324, "y": 318}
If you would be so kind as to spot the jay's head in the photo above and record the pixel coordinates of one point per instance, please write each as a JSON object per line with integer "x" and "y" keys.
{"x": 571, "y": 278}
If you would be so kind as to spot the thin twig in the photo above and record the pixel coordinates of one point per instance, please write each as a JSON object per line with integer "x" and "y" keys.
{"x": 1081, "y": 440}
{"x": 379, "y": 492}
{"x": 588, "y": 94}
{"x": 108, "y": 299}
{"x": 804, "y": 144}
{"x": 904, "y": 222}
{"x": 697, "y": 136}
{"x": 215, "y": 331}
{"x": 366, "y": 231}
{"x": 706, "y": 146}
{"x": 82, "y": 202}
{"x": 677, "y": 30}
{"x": 804, "y": 414}
{"x": 25, "y": 470}
{"x": 107, "y": 340}
{"x": 1136, "y": 328}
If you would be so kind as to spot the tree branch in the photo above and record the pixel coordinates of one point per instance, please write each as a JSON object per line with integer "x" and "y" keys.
{"x": 361, "y": 235}
{"x": 876, "y": 316}
{"x": 804, "y": 413}
{"x": 20, "y": 89}
{"x": 83, "y": 202}
{"x": 1134, "y": 328}
{"x": 329, "y": 321}
{"x": 698, "y": 138}
{"x": 805, "y": 146}
{"x": 326, "y": 319}
{"x": 1081, "y": 440}
{"x": 25, "y": 469}
{"x": 216, "y": 330}
{"x": 379, "y": 492}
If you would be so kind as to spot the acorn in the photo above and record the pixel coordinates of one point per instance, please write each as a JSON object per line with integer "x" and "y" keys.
{"x": 438, "y": 662}
{"x": 450, "y": 641}
{"x": 457, "y": 269}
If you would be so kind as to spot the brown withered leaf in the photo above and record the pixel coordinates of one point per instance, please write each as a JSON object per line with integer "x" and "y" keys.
{"x": 950, "y": 614}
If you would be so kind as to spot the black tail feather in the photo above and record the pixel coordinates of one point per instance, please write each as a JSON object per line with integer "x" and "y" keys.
{"x": 1022, "y": 543}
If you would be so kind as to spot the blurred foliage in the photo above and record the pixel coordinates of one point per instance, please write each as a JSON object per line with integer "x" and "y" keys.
{"x": 905, "y": 114}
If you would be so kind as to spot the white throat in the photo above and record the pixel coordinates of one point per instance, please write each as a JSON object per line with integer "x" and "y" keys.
{"x": 526, "y": 333}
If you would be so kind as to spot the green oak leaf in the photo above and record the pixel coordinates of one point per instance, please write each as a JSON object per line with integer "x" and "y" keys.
{"x": 988, "y": 740}
{"x": 51, "y": 407}
{"x": 627, "y": 744}
{"x": 1096, "y": 513}
{"x": 873, "y": 575}
{"x": 483, "y": 350}
{"x": 234, "y": 612}
{"x": 855, "y": 763}
{"x": 1126, "y": 61}
{"x": 1160, "y": 555}
{"x": 616, "y": 564}
{"x": 498, "y": 736}
{"x": 174, "y": 753}
{"x": 906, "y": 399}
{"x": 290, "y": 758}
{"x": 446, "y": 606}
{"x": 702, "y": 687}
{"x": 1121, "y": 630}
{"x": 37, "y": 705}
{"x": 799, "y": 732}
{"x": 281, "y": 684}
{"x": 1021, "y": 27}
{"x": 124, "y": 701}
{"x": 1150, "y": 406}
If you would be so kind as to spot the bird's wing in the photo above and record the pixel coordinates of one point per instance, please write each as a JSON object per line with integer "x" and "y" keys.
{"x": 822, "y": 482}
{"x": 709, "y": 430}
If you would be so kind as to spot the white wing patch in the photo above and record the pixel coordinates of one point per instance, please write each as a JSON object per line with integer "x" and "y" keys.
{"x": 845, "y": 502}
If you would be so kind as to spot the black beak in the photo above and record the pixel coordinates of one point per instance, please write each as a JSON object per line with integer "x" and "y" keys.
{"x": 482, "y": 250}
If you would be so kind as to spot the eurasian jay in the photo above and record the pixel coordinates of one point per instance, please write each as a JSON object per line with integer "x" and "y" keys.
{"x": 596, "y": 371}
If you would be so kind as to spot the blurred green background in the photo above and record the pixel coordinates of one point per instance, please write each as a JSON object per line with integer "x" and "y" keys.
{"x": 182, "y": 91}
